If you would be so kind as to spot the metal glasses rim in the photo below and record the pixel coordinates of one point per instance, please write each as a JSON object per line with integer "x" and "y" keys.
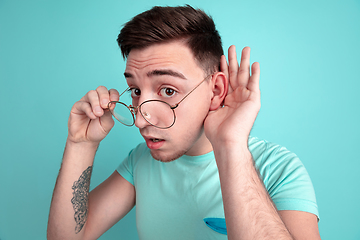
{"x": 131, "y": 109}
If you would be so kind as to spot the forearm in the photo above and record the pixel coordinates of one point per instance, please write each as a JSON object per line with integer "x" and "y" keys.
{"x": 69, "y": 206}
{"x": 249, "y": 211}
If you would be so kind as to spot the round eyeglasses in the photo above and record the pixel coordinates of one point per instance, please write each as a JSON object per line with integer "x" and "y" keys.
{"x": 157, "y": 113}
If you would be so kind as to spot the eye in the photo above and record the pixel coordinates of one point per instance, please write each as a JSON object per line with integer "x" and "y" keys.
{"x": 135, "y": 92}
{"x": 168, "y": 92}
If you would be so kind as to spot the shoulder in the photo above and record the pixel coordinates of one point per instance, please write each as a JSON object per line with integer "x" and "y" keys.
{"x": 271, "y": 155}
{"x": 127, "y": 167}
{"x": 278, "y": 166}
{"x": 284, "y": 175}
{"x": 139, "y": 151}
{"x": 135, "y": 156}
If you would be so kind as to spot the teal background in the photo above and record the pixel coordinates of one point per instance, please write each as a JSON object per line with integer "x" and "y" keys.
{"x": 53, "y": 52}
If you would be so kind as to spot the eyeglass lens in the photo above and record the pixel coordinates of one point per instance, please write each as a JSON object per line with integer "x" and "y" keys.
{"x": 155, "y": 112}
{"x": 122, "y": 113}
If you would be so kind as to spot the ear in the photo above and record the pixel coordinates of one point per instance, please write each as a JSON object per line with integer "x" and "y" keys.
{"x": 219, "y": 89}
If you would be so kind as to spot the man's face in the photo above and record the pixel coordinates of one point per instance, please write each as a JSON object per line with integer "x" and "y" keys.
{"x": 168, "y": 71}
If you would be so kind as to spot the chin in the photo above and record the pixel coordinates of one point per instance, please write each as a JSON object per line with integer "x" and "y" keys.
{"x": 163, "y": 157}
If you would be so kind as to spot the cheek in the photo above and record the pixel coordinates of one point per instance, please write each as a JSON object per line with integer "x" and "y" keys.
{"x": 193, "y": 110}
{"x": 192, "y": 115}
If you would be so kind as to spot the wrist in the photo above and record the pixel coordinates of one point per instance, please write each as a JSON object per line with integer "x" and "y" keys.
{"x": 230, "y": 141}
{"x": 83, "y": 145}
{"x": 79, "y": 154}
{"x": 230, "y": 156}
{"x": 233, "y": 147}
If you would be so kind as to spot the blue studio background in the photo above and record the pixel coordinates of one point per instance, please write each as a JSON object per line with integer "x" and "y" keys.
{"x": 53, "y": 52}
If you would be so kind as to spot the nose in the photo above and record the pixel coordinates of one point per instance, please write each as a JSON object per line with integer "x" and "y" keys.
{"x": 140, "y": 122}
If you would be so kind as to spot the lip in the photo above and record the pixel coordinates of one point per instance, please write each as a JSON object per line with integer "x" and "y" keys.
{"x": 153, "y": 145}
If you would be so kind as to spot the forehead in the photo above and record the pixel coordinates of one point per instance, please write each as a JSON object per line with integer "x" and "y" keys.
{"x": 173, "y": 55}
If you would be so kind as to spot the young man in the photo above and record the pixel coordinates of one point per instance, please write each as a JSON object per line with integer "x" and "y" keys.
{"x": 198, "y": 165}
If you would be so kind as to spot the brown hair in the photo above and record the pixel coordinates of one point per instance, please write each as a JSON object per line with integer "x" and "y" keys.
{"x": 162, "y": 24}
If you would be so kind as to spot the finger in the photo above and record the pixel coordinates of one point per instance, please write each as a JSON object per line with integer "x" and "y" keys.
{"x": 224, "y": 67}
{"x": 81, "y": 108}
{"x": 92, "y": 98}
{"x": 104, "y": 96}
{"x": 233, "y": 67}
{"x": 253, "y": 84}
{"x": 114, "y": 95}
{"x": 244, "y": 69}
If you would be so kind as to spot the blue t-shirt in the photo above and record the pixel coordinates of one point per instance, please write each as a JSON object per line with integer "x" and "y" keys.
{"x": 182, "y": 199}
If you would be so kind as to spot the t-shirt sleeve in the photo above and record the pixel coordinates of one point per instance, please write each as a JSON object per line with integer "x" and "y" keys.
{"x": 286, "y": 179}
{"x": 125, "y": 169}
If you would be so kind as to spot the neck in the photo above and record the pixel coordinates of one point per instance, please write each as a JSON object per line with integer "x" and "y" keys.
{"x": 200, "y": 147}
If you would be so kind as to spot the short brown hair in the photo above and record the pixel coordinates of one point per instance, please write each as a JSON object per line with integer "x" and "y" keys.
{"x": 163, "y": 24}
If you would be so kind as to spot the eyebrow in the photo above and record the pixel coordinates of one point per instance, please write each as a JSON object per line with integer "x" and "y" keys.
{"x": 166, "y": 72}
{"x": 128, "y": 75}
{"x": 160, "y": 73}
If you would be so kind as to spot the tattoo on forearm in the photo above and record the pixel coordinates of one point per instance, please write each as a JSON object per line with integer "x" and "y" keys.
{"x": 80, "y": 198}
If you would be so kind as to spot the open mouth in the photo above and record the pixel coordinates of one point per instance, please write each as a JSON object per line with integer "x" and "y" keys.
{"x": 154, "y": 143}
{"x": 155, "y": 139}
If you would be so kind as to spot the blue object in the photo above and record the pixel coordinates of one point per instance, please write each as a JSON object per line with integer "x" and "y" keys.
{"x": 216, "y": 224}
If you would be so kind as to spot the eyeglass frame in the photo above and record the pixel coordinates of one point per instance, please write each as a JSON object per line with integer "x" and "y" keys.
{"x": 134, "y": 110}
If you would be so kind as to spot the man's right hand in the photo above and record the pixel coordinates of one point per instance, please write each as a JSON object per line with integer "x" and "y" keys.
{"x": 90, "y": 120}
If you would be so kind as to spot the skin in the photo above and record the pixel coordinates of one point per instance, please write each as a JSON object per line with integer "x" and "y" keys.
{"x": 202, "y": 125}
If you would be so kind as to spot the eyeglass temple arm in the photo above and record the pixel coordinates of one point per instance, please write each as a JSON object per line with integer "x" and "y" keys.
{"x": 119, "y": 96}
{"x": 177, "y": 104}
{"x": 124, "y": 91}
